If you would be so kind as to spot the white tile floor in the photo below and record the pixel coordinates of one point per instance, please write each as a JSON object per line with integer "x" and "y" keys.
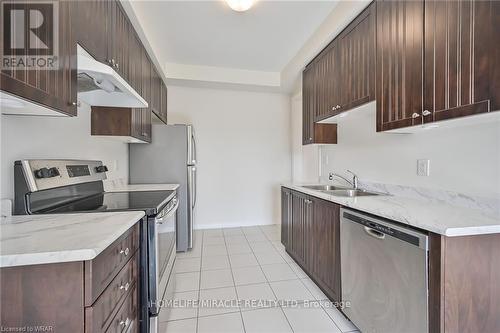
{"x": 233, "y": 281}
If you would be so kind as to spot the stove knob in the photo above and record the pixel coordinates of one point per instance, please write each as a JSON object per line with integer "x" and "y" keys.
{"x": 101, "y": 168}
{"x": 42, "y": 173}
{"x": 54, "y": 172}
{"x": 47, "y": 173}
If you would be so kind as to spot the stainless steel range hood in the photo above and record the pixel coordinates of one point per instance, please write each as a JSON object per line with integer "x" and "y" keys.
{"x": 100, "y": 85}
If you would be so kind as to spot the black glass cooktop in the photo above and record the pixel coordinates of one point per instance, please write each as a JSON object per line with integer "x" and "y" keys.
{"x": 149, "y": 201}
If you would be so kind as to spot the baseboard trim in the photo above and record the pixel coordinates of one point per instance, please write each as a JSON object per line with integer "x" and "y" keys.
{"x": 228, "y": 225}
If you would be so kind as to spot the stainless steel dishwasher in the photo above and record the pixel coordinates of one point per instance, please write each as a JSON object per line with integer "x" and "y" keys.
{"x": 384, "y": 274}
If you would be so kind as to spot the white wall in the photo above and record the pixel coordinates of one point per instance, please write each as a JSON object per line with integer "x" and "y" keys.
{"x": 56, "y": 137}
{"x": 463, "y": 159}
{"x": 243, "y": 147}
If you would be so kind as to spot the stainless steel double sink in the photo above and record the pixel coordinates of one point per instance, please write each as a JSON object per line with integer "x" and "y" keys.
{"x": 340, "y": 191}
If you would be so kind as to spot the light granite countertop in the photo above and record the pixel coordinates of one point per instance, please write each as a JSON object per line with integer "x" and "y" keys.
{"x": 44, "y": 239}
{"x": 440, "y": 218}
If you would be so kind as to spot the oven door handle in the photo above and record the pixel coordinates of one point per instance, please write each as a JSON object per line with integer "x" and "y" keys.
{"x": 160, "y": 219}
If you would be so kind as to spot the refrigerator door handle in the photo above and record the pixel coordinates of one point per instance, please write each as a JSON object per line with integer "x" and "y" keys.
{"x": 195, "y": 186}
{"x": 194, "y": 148}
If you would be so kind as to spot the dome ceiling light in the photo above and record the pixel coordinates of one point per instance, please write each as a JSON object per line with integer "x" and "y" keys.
{"x": 240, "y": 5}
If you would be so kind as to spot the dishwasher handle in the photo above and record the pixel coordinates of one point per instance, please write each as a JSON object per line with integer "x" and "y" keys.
{"x": 374, "y": 233}
{"x": 381, "y": 229}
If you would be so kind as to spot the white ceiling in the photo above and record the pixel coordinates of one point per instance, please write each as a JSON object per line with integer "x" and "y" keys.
{"x": 209, "y": 33}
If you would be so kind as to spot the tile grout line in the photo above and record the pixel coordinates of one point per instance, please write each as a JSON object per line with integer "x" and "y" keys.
{"x": 199, "y": 281}
{"x": 281, "y": 306}
{"x": 234, "y": 282}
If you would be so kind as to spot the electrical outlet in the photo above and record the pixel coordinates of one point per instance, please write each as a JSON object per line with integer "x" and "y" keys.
{"x": 423, "y": 167}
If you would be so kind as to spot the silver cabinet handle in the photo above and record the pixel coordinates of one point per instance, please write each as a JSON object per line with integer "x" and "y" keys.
{"x": 338, "y": 106}
{"x": 334, "y": 108}
{"x": 125, "y": 287}
{"x": 426, "y": 112}
{"x": 307, "y": 201}
{"x": 125, "y": 322}
{"x": 125, "y": 252}
{"x": 117, "y": 66}
{"x": 415, "y": 115}
{"x": 77, "y": 104}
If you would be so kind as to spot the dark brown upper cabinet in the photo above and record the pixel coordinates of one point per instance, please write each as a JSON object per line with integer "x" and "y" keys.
{"x": 156, "y": 95}
{"x": 462, "y": 58}
{"x": 135, "y": 62}
{"x": 52, "y": 88}
{"x": 91, "y": 20}
{"x": 164, "y": 102}
{"x": 400, "y": 63}
{"x": 308, "y": 105}
{"x": 357, "y": 61}
{"x": 313, "y": 132}
{"x": 119, "y": 30}
{"x": 327, "y": 82}
{"x": 126, "y": 124}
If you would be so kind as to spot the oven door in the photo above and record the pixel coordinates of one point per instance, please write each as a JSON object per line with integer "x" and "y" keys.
{"x": 162, "y": 253}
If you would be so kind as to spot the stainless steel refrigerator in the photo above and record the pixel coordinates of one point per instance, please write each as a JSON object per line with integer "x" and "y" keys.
{"x": 170, "y": 158}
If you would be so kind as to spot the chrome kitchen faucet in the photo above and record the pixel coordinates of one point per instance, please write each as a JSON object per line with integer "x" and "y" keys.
{"x": 353, "y": 183}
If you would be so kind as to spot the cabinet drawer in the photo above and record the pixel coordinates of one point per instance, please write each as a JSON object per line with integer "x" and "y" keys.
{"x": 126, "y": 320}
{"x": 100, "y": 271}
{"x": 99, "y": 316}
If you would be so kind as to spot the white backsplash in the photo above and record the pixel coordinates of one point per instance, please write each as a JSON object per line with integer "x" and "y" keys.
{"x": 489, "y": 206}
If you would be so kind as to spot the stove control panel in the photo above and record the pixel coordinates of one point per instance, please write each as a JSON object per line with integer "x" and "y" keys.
{"x": 46, "y": 174}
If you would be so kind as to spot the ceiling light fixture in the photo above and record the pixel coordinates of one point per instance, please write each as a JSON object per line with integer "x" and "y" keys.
{"x": 240, "y": 5}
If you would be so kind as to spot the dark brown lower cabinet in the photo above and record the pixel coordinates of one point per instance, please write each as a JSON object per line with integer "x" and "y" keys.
{"x": 464, "y": 288}
{"x": 93, "y": 296}
{"x": 300, "y": 222}
{"x": 311, "y": 235}
{"x": 464, "y": 272}
{"x": 286, "y": 214}
{"x": 324, "y": 247}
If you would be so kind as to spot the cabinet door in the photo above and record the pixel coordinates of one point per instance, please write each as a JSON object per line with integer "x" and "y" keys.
{"x": 146, "y": 124}
{"x": 146, "y": 77}
{"x": 90, "y": 21}
{"x": 325, "y": 247}
{"x": 118, "y": 39}
{"x": 155, "y": 92}
{"x": 308, "y": 105}
{"x": 164, "y": 101}
{"x": 399, "y": 69}
{"x": 286, "y": 207}
{"x": 327, "y": 82}
{"x": 462, "y": 58}
{"x": 135, "y": 61}
{"x": 300, "y": 221}
{"x": 357, "y": 61}
{"x": 54, "y": 88}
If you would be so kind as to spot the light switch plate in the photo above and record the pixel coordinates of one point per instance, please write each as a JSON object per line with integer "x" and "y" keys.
{"x": 423, "y": 167}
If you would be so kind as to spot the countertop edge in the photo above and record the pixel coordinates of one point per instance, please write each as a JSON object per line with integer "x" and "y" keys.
{"x": 72, "y": 255}
{"x": 444, "y": 230}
